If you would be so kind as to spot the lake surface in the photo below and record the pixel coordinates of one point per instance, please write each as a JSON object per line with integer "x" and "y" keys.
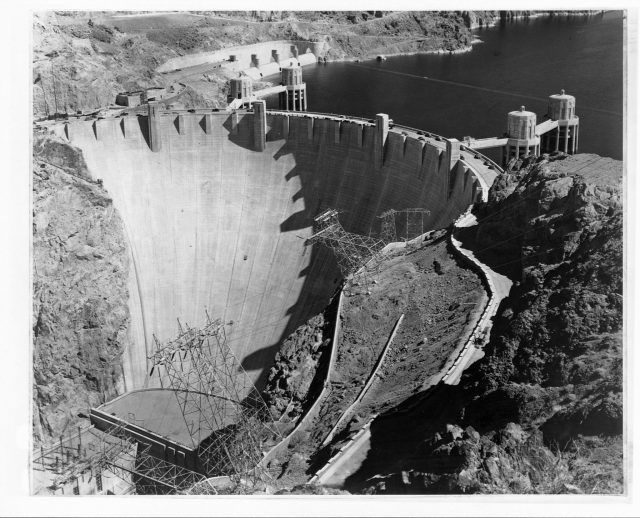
{"x": 517, "y": 63}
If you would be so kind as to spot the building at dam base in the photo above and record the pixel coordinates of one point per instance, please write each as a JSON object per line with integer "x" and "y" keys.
{"x": 158, "y": 423}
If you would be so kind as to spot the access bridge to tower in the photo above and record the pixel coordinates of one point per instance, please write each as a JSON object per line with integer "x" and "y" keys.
{"x": 525, "y": 136}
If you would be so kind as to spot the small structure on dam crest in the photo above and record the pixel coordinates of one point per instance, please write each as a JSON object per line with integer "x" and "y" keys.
{"x": 155, "y": 141}
{"x": 130, "y": 99}
{"x": 240, "y": 88}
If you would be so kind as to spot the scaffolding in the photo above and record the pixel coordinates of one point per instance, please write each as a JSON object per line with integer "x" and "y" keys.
{"x": 352, "y": 251}
{"x": 227, "y": 419}
{"x": 413, "y": 223}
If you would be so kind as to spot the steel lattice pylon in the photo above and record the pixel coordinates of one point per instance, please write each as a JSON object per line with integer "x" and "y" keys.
{"x": 352, "y": 251}
{"x": 223, "y": 412}
{"x": 413, "y": 223}
{"x": 388, "y": 230}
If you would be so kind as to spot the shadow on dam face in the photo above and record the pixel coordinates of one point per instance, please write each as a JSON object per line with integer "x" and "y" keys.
{"x": 213, "y": 224}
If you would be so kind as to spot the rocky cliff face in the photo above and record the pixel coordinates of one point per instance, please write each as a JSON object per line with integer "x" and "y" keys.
{"x": 80, "y": 271}
{"x": 542, "y": 411}
{"x": 479, "y": 19}
{"x": 560, "y": 235}
{"x": 293, "y": 381}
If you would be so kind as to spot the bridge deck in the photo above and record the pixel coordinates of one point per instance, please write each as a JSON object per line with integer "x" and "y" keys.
{"x": 546, "y": 126}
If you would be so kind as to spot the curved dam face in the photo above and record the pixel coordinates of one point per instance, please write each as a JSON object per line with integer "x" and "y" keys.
{"x": 213, "y": 223}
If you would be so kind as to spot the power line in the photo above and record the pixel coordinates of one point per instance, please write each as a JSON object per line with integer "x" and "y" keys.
{"x": 476, "y": 87}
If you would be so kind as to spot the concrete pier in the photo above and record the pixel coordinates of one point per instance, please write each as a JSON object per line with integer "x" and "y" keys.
{"x": 382, "y": 130}
{"x": 153, "y": 124}
{"x": 453, "y": 151}
{"x": 259, "y": 125}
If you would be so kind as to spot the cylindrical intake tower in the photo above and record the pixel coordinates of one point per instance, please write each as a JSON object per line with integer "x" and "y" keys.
{"x": 521, "y": 132}
{"x": 240, "y": 88}
{"x": 562, "y": 108}
{"x": 294, "y": 98}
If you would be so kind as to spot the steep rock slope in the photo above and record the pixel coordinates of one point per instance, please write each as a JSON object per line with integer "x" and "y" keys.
{"x": 296, "y": 376}
{"x": 80, "y": 312}
{"x": 542, "y": 412}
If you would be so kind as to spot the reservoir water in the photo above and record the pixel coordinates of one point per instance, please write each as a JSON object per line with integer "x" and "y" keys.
{"x": 517, "y": 63}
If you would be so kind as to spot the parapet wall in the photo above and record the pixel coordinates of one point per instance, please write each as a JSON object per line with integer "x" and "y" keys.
{"x": 215, "y": 223}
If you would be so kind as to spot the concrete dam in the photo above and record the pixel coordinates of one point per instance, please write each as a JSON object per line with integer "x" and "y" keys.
{"x": 217, "y": 207}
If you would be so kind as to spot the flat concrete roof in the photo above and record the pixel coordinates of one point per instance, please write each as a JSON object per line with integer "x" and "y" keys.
{"x": 158, "y": 411}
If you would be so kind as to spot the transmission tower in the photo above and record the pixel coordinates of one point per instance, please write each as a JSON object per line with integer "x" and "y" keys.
{"x": 224, "y": 414}
{"x": 388, "y": 230}
{"x": 413, "y": 221}
{"x": 352, "y": 251}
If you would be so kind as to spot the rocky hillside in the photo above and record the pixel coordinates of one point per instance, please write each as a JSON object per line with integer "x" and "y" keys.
{"x": 81, "y": 60}
{"x": 80, "y": 271}
{"x": 542, "y": 411}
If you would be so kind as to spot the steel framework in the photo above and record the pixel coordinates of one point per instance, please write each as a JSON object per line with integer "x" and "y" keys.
{"x": 227, "y": 419}
{"x": 132, "y": 461}
{"x": 352, "y": 251}
{"x": 114, "y": 450}
{"x": 388, "y": 226}
{"x": 413, "y": 220}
